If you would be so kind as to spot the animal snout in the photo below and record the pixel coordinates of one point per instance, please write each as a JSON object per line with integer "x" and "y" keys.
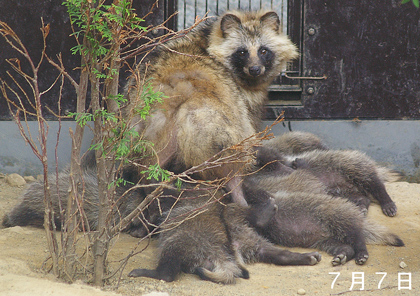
{"x": 254, "y": 71}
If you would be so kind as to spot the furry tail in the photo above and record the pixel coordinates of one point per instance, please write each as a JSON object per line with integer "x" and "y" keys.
{"x": 7, "y": 222}
{"x": 226, "y": 274}
{"x": 389, "y": 175}
{"x": 27, "y": 213}
{"x": 378, "y": 234}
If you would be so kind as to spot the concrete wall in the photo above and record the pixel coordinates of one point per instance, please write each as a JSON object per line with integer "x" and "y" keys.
{"x": 395, "y": 144}
{"x": 17, "y": 157}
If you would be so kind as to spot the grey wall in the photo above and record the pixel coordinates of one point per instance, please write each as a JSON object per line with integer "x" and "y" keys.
{"x": 17, "y": 157}
{"x": 395, "y": 144}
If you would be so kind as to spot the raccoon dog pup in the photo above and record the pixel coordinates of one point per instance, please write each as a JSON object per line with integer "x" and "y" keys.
{"x": 295, "y": 142}
{"x": 30, "y": 211}
{"x": 215, "y": 80}
{"x": 331, "y": 224}
{"x": 218, "y": 242}
{"x": 346, "y": 173}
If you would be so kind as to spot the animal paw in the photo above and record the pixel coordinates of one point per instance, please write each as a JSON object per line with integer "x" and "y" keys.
{"x": 389, "y": 209}
{"x": 340, "y": 259}
{"x": 136, "y": 273}
{"x": 361, "y": 258}
{"x": 315, "y": 258}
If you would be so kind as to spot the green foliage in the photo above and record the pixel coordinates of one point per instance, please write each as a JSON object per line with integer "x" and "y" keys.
{"x": 125, "y": 140}
{"x": 100, "y": 29}
{"x": 415, "y": 2}
{"x": 123, "y": 146}
{"x": 81, "y": 118}
{"x": 98, "y": 146}
{"x": 118, "y": 182}
{"x": 119, "y": 99}
{"x": 110, "y": 73}
{"x": 105, "y": 116}
{"x": 178, "y": 183}
{"x": 156, "y": 172}
{"x": 149, "y": 97}
{"x": 98, "y": 23}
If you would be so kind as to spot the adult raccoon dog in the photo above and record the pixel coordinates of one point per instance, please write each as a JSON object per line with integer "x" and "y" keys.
{"x": 218, "y": 242}
{"x": 215, "y": 80}
{"x": 331, "y": 224}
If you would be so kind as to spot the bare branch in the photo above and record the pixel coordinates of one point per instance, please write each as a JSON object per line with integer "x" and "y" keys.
{"x": 62, "y": 70}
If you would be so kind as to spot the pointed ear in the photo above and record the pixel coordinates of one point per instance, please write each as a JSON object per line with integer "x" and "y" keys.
{"x": 229, "y": 23}
{"x": 271, "y": 20}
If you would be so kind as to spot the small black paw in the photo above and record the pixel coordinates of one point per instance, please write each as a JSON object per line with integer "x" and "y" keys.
{"x": 389, "y": 209}
{"x": 136, "y": 273}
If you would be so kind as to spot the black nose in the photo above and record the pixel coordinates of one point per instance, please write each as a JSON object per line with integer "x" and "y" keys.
{"x": 254, "y": 71}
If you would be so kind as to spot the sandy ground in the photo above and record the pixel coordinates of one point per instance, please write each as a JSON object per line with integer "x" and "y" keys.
{"x": 23, "y": 250}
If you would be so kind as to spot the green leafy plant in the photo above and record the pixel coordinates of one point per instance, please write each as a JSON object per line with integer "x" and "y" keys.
{"x": 97, "y": 22}
{"x": 100, "y": 30}
{"x": 105, "y": 34}
{"x": 415, "y": 2}
{"x": 149, "y": 97}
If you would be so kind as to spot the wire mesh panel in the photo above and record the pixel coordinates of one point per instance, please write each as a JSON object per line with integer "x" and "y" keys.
{"x": 189, "y": 9}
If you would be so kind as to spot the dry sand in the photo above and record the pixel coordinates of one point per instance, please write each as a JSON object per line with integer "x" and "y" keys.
{"x": 23, "y": 250}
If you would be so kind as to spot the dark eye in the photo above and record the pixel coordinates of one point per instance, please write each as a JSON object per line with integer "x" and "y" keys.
{"x": 242, "y": 53}
{"x": 263, "y": 51}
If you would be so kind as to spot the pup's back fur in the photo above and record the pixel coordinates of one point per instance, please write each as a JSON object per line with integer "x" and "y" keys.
{"x": 331, "y": 224}
{"x": 30, "y": 210}
{"x": 295, "y": 143}
{"x": 346, "y": 173}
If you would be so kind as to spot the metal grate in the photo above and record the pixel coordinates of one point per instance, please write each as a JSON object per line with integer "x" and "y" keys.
{"x": 189, "y": 9}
